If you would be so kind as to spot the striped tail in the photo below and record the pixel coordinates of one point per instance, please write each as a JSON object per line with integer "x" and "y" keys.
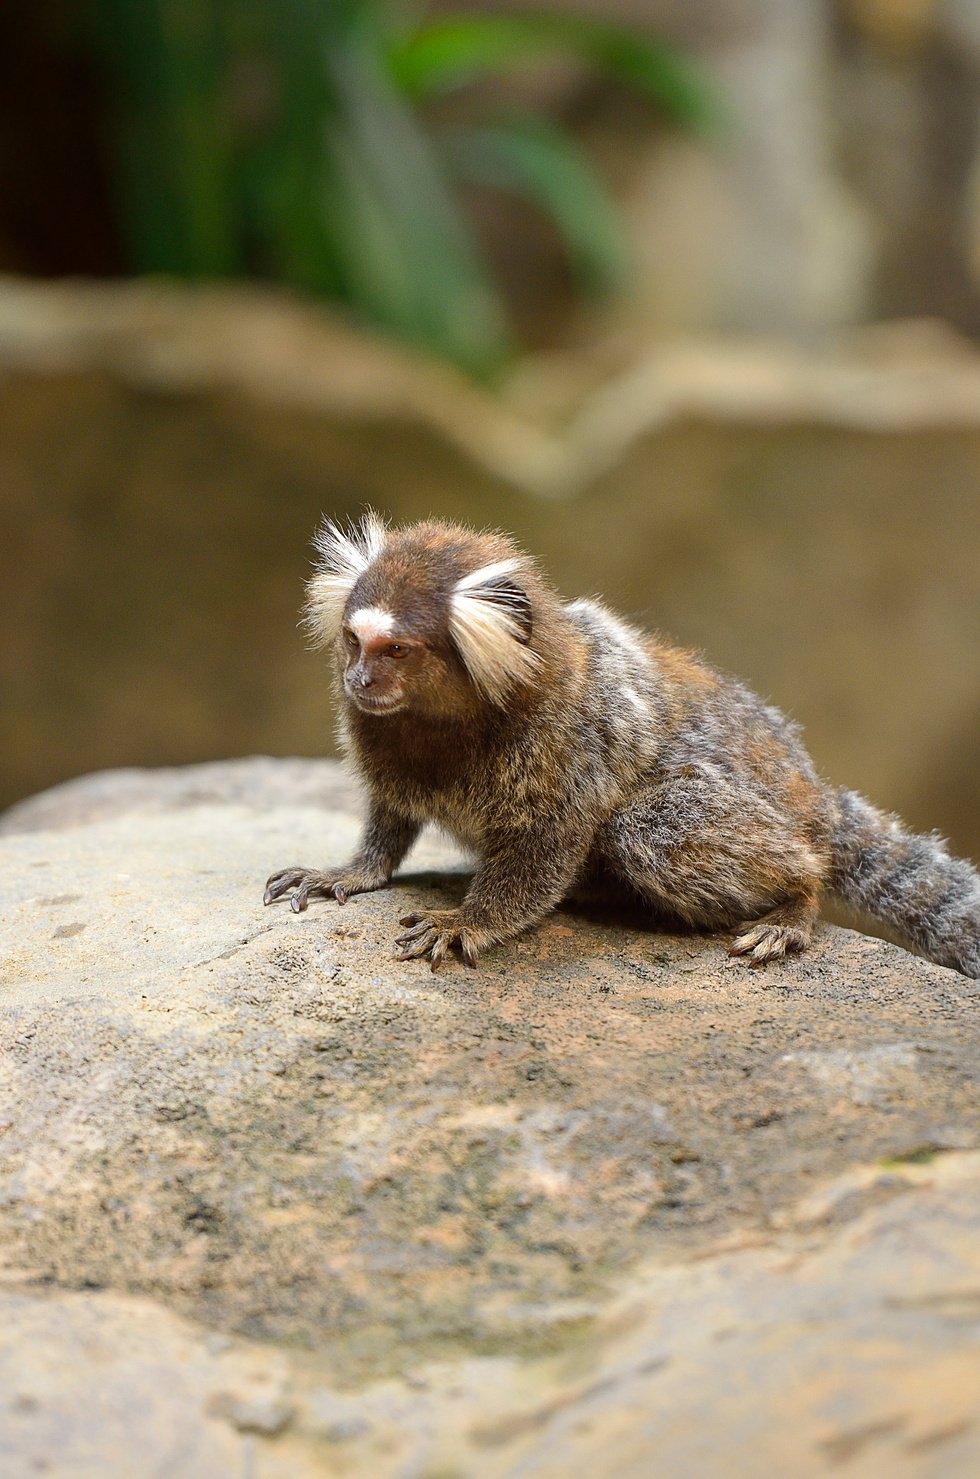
{"x": 907, "y": 881}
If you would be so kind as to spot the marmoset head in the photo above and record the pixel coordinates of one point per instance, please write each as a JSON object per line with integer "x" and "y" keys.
{"x": 431, "y": 618}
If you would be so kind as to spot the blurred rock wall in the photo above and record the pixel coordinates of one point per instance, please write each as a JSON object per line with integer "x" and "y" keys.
{"x": 843, "y": 184}
{"x": 811, "y": 521}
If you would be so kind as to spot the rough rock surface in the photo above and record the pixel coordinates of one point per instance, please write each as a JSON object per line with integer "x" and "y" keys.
{"x": 272, "y": 1203}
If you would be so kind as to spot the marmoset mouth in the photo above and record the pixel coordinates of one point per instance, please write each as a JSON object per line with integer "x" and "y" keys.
{"x": 369, "y": 705}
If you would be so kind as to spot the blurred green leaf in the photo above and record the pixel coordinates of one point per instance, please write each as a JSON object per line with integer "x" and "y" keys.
{"x": 284, "y": 139}
{"x": 535, "y": 160}
{"x": 447, "y": 53}
{"x": 401, "y": 243}
{"x": 174, "y": 159}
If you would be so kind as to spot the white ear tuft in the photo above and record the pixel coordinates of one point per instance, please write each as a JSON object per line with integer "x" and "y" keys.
{"x": 488, "y": 624}
{"x": 344, "y": 554}
{"x": 487, "y": 574}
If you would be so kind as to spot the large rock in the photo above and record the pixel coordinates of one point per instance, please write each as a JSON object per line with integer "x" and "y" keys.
{"x": 273, "y": 1202}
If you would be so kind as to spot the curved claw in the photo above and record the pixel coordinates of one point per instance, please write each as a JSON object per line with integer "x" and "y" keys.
{"x": 468, "y": 949}
{"x": 742, "y": 944}
{"x": 413, "y": 949}
{"x": 277, "y": 885}
{"x": 413, "y": 934}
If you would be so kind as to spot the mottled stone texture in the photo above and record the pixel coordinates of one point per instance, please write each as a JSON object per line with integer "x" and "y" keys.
{"x": 272, "y": 1202}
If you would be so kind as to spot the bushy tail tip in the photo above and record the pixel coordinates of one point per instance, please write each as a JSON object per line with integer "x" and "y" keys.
{"x": 908, "y": 881}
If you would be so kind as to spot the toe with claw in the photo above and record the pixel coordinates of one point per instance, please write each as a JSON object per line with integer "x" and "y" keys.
{"x": 337, "y": 884}
{"x": 435, "y": 933}
{"x": 762, "y": 941}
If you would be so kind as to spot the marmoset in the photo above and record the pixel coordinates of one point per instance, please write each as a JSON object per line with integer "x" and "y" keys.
{"x": 575, "y": 754}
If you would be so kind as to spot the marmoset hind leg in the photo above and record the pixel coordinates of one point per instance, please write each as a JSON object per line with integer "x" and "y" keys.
{"x": 716, "y": 854}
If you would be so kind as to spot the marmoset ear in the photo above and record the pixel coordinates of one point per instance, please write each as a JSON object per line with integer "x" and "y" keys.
{"x": 490, "y": 618}
{"x": 342, "y": 556}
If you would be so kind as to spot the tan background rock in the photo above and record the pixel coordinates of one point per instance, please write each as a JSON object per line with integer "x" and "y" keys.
{"x": 812, "y": 521}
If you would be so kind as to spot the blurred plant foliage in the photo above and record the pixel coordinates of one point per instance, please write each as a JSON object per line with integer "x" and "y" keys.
{"x": 290, "y": 138}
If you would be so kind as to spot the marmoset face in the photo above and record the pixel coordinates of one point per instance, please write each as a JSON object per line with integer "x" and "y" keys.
{"x": 435, "y": 621}
{"x": 390, "y": 666}
{"x": 380, "y": 661}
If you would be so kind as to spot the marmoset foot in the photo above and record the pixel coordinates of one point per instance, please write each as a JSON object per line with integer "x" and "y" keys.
{"x": 336, "y": 883}
{"x": 784, "y": 931}
{"x": 435, "y": 932}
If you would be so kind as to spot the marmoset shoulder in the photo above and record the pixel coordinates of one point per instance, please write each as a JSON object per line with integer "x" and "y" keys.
{"x": 573, "y": 753}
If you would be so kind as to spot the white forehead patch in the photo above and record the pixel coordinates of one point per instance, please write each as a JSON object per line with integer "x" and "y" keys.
{"x": 371, "y": 622}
